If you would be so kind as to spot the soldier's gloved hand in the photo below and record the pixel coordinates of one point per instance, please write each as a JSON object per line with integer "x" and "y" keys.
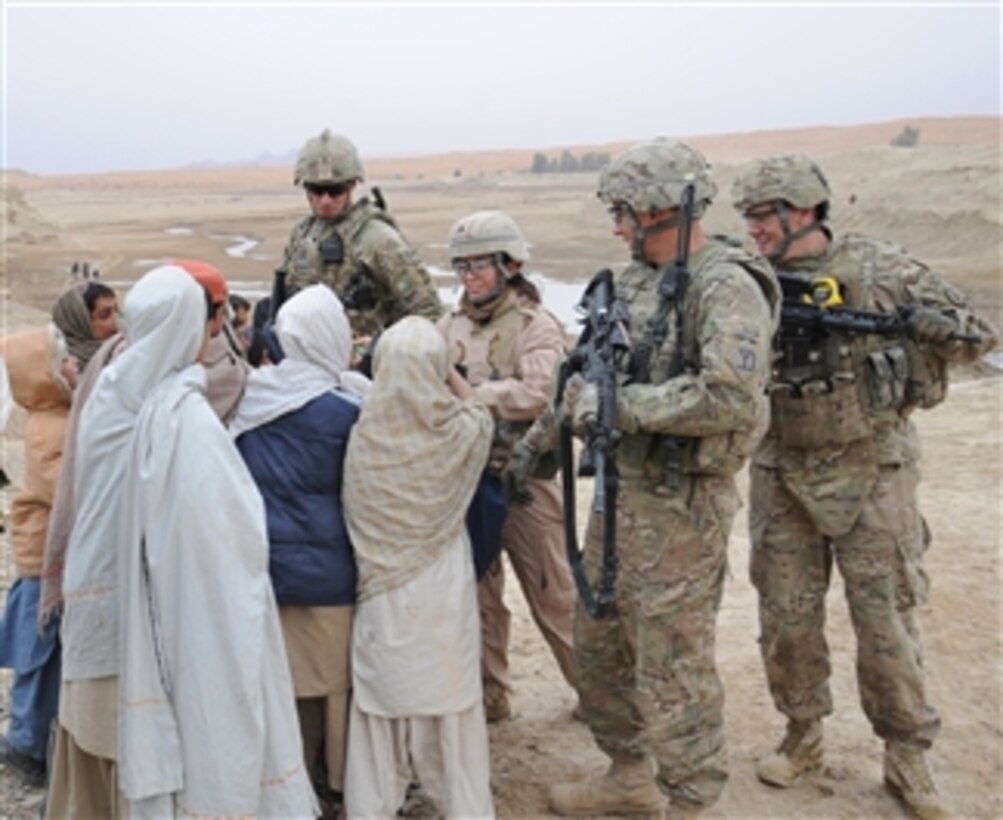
{"x": 583, "y": 409}
{"x": 930, "y": 325}
{"x": 515, "y": 476}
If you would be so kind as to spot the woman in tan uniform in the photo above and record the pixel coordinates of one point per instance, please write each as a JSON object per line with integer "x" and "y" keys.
{"x": 510, "y": 347}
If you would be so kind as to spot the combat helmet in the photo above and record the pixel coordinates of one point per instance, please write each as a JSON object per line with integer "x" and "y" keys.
{"x": 653, "y": 175}
{"x": 484, "y": 233}
{"x": 792, "y": 178}
{"x": 329, "y": 159}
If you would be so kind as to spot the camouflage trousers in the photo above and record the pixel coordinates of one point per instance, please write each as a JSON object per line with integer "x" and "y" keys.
{"x": 881, "y": 561}
{"x": 646, "y": 672}
{"x": 533, "y": 539}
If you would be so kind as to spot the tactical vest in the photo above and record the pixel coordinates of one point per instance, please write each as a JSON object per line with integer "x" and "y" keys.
{"x": 491, "y": 351}
{"x": 842, "y": 386}
{"x": 721, "y": 454}
{"x": 328, "y": 252}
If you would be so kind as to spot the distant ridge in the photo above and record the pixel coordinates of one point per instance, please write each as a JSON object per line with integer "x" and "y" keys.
{"x": 269, "y": 169}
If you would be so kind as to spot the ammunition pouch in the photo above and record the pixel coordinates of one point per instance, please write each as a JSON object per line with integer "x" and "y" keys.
{"x": 663, "y": 460}
{"x": 887, "y": 374}
{"x": 927, "y": 382}
{"x": 906, "y": 376}
{"x": 819, "y": 414}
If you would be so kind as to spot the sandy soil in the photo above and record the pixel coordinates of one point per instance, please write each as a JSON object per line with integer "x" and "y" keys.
{"x": 941, "y": 200}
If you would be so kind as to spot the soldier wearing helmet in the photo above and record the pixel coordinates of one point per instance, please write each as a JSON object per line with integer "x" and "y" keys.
{"x": 354, "y": 247}
{"x": 690, "y": 408}
{"x": 784, "y": 201}
{"x": 510, "y": 346}
{"x": 835, "y": 477}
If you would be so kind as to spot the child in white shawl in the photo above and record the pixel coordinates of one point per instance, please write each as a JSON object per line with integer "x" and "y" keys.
{"x": 414, "y": 459}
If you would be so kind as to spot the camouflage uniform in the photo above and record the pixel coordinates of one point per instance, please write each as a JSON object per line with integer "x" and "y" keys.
{"x": 360, "y": 255}
{"x": 378, "y": 276}
{"x": 510, "y": 347}
{"x": 835, "y": 479}
{"x": 646, "y": 674}
{"x": 645, "y": 670}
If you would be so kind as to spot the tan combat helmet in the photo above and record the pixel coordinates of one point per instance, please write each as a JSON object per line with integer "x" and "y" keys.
{"x": 329, "y": 159}
{"x": 792, "y": 178}
{"x": 653, "y": 175}
{"x": 488, "y": 232}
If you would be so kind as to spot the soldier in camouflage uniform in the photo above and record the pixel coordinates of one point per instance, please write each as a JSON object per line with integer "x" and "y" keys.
{"x": 510, "y": 346}
{"x": 835, "y": 478}
{"x": 646, "y": 672}
{"x": 353, "y": 247}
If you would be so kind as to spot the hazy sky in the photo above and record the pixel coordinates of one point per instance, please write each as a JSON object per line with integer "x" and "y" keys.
{"x": 114, "y": 86}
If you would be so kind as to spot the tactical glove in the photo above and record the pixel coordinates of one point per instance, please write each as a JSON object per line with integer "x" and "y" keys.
{"x": 930, "y": 325}
{"x": 581, "y": 404}
{"x": 515, "y": 476}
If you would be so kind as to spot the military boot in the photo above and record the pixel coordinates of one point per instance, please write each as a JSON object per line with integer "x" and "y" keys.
{"x": 908, "y": 777}
{"x": 627, "y": 788}
{"x": 799, "y": 752}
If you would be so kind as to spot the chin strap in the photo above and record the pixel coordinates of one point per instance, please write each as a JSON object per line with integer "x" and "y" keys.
{"x": 641, "y": 235}
{"x": 790, "y": 237}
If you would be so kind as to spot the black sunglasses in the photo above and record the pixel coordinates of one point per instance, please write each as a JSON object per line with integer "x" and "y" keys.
{"x": 331, "y": 191}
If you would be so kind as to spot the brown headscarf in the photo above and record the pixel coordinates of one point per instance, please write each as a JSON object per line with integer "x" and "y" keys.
{"x": 71, "y": 316}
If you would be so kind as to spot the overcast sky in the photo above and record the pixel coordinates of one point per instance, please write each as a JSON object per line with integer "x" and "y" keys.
{"x": 113, "y": 86}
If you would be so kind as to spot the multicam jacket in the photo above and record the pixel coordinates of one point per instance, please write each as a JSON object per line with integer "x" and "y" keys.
{"x": 835, "y": 422}
{"x": 718, "y": 402}
{"x": 365, "y": 260}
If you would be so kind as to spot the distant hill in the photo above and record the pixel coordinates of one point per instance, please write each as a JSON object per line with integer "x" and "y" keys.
{"x": 267, "y": 170}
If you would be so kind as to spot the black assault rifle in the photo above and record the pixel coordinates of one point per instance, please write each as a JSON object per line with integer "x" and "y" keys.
{"x": 602, "y": 339}
{"x": 802, "y": 317}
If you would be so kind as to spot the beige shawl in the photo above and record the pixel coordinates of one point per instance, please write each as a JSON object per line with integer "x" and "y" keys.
{"x": 414, "y": 459}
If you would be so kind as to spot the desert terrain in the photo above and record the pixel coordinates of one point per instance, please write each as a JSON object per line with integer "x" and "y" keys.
{"x": 940, "y": 199}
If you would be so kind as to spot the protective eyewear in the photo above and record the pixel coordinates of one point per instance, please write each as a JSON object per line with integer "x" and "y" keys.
{"x": 618, "y": 211}
{"x": 759, "y": 215}
{"x": 463, "y": 267}
{"x": 331, "y": 191}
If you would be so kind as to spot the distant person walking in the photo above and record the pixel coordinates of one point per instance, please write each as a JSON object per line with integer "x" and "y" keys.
{"x": 835, "y": 478}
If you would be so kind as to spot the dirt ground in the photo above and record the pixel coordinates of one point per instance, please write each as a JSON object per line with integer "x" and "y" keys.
{"x": 941, "y": 200}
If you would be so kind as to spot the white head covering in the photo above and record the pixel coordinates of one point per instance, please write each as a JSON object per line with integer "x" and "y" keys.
{"x": 165, "y": 321}
{"x": 413, "y": 462}
{"x": 317, "y": 342}
{"x": 197, "y": 614}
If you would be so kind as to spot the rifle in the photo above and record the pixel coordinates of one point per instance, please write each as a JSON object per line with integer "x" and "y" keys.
{"x": 602, "y": 339}
{"x": 797, "y": 320}
{"x": 279, "y": 294}
{"x": 812, "y": 309}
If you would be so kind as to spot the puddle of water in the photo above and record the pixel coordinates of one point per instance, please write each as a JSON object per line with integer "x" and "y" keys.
{"x": 242, "y": 245}
{"x": 994, "y": 358}
{"x": 180, "y": 230}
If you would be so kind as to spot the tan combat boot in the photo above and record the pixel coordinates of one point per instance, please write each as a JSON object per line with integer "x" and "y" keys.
{"x": 799, "y": 752}
{"x": 627, "y": 788}
{"x": 908, "y": 777}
